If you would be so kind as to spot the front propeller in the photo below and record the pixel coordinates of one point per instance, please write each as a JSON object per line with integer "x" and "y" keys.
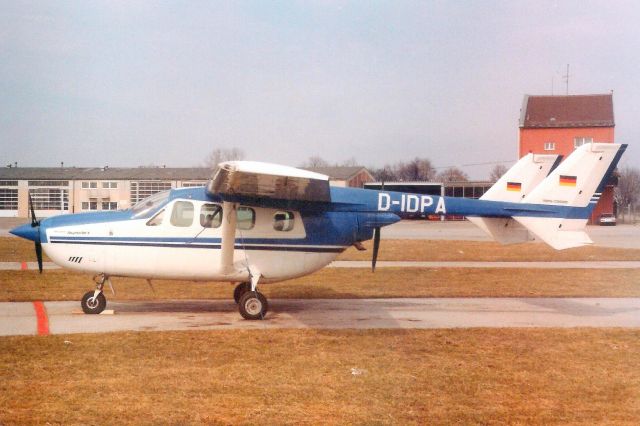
{"x": 35, "y": 223}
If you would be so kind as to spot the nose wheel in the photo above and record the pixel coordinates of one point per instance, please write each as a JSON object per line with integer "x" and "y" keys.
{"x": 94, "y": 302}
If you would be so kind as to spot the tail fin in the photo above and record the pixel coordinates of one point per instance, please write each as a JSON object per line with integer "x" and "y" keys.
{"x": 577, "y": 184}
{"x": 512, "y": 187}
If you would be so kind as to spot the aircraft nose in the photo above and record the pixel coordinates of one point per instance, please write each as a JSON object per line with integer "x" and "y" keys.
{"x": 27, "y": 231}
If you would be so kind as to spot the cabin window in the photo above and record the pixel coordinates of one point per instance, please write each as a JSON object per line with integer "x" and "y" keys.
{"x": 157, "y": 219}
{"x": 210, "y": 216}
{"x": 182, "y": 214}
{"x": 246, "y": 218}
{"x": 283, "y": 221}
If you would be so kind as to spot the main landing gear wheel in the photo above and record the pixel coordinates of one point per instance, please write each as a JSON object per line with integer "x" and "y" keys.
{"x": 240, "y": 290}
{"x": 92, "y": 304}
{"x": 253, "y": 305}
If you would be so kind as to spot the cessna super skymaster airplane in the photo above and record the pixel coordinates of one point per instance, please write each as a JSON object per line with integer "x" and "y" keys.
{"x": 261, "y": 223}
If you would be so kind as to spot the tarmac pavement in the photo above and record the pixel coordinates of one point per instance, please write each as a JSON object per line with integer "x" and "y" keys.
{"x": 30, "y": 318}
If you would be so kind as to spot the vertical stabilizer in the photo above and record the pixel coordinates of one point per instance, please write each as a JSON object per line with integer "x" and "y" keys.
{"x": 576, "y": 184}
{"x": 512, "y": 187}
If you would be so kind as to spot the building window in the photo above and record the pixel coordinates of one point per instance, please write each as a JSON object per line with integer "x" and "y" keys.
{"x": 109, "y": 185}
{"x": 246, "y": 218}
{"x": 283, "y": 221}
{"x": 577, "y": 142}
{"x": 211, "y": 216}
{"x": 89, "y": 185}
{"x": 143, "y": 189}
{"x": 50, "y": 198}
{"x": 193, "y": 184}
{"x": 109, "y": 205}
{"x": 8, "y": 183}
{"x": 549, "y": 146}
{"x": 182, "y": 214}
{"x": 8, "y": 198}
{"x": 49, "y": 183}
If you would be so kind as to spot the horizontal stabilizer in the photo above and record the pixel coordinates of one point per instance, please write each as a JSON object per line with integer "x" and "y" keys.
{"x": 557, "y": 232}
{"x": 268, "y": 181}
{"x": 503, "y": 230}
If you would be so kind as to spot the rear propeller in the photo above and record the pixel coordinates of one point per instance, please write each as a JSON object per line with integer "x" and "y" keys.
{"x": 376, "y": 246}
{"x": 35, "y": 223}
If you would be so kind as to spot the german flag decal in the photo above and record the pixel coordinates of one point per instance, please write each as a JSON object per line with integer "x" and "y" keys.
{"x": 514, "y": 186}
{"x": 567, "y": 180}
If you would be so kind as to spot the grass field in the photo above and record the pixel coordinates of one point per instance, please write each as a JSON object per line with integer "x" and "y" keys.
{"x": 18, "y": 250}
{"x": 332, "y": 283}
{"x": 443, "y": 250}
{"x": 479, "y": 376}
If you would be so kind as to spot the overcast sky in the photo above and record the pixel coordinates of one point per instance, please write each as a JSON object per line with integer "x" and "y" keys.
{"x": 135, "y": 83}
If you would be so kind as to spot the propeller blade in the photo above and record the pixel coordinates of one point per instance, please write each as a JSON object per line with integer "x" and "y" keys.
{"x": 34, "y": 221}
{"x": 376, "y": 246}
{"x": 39, "y": 255}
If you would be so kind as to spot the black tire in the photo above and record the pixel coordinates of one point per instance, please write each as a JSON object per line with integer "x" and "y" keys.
{"x": 91, "y": 305}
{"x": 240, "y": 289}
{"x": 253, "y": 306}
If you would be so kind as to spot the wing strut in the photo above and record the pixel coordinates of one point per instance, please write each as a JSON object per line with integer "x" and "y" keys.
{"x": 228, "y": 230}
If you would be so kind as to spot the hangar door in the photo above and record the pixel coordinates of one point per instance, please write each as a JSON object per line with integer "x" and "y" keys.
{"x": 50, "y": 197}
{"x": 8, "y": 198}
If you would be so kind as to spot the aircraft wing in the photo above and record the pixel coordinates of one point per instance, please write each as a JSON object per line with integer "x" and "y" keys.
{"x": 249, "y": 180}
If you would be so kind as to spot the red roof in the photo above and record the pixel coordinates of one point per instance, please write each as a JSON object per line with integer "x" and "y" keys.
{"x": 567, "y": 111}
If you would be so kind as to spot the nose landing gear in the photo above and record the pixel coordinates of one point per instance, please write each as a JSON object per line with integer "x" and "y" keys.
{"x": 94, "y": 302}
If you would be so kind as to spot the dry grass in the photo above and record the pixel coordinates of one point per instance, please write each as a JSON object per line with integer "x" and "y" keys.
{"x": 438, "y": 250}
{"x": 531, "y": 376}
{"x": 16, "y": 250}
{"x": 346, "y": 283}
{"x": 13, "y": 249}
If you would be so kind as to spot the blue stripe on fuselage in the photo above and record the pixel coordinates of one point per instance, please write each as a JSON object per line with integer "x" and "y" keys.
{"x": 405, "y": 205}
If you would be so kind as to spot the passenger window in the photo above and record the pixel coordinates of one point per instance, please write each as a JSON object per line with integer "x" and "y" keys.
{"x": 182, "y": 214}
{"x": 246, "y": 218}
{"x": 210, "y": 216}
{"x": 157, "y": 219}
{"x": 283, "y": 221}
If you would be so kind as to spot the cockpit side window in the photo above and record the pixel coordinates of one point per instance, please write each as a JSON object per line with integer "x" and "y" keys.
{"x": 283, "y": 221}
{"x": 210, "y": 216}
{"x": 157, "y": 219}
{"x": 149, "y": 204}
{"x": 182, "y": 214}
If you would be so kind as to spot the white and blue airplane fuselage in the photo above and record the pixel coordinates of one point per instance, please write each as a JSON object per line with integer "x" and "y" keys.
{"x": 260, "y": 222}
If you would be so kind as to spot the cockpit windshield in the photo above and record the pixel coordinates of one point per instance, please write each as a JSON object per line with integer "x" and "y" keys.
{"x": 150, "y": 204}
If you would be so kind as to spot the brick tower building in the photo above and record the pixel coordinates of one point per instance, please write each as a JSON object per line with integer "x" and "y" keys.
{"x": 560, "y": 124}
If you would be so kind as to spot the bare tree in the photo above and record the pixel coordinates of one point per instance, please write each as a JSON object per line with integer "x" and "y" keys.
{"x": 453, "y": 174}
{"x": 497, "y": 172}
{"x": 627, "y": 193}
{"x": 315, "y": 161}
{"x": 349, "y": 162}
{"x": 419, "y": 169}
{"x": 385, "y": 174}
{"x": 218, "y": 156}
